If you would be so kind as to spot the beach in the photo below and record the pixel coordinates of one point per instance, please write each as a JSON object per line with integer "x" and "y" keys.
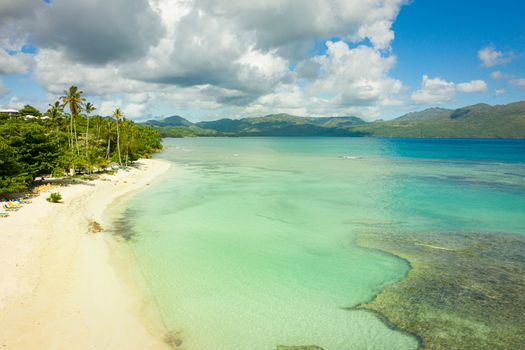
{"x": 65, "y": 286}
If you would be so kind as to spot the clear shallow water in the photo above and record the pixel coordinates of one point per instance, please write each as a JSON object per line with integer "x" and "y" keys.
{"x": 248, "y": 243}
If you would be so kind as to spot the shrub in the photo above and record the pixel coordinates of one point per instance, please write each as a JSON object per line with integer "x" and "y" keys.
{"x": 54, "y": 197}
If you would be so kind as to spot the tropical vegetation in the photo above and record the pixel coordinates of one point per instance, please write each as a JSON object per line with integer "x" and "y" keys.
{"x": 54, "y": 197}
{"x": 477, "y": 121}
{"x": 68, "y": 139}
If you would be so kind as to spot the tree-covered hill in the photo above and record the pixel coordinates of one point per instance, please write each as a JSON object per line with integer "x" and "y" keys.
{"x": 476, "y": 121}
{"x": 270, "y": 125}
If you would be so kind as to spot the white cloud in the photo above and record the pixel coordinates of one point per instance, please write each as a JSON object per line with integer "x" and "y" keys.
{"x": 224, "y": 55}
{"x": 56, "y": 72}
{"x": 344, "y": 81}
{"x": 3, "y": 89}
{"x": 357, "y": 76}
{"x": 107, "y": 107}
{"x": 438, "y": 90}
{"x": 511, "y": 79}
{"x": 16, "y": 63}
{"x": 499, "y": 92}
{"x": 490, "y": 57}
{"x": 472, "y": 86}
{"x": 519, "y": 82}
{"x": 497, "y": 75}
{"x": 134, "y": 110}
{"x": 15, "y": 103}
{"x": 435, "y": 90}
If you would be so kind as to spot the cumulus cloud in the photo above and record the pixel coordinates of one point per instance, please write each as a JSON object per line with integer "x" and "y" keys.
{"x": 97, "y": 31}
{"x": 435, "y": 90}
{"x": 210, "y": 54}
{"x": 490, "y": 57}
{"x": 519, "y": 82}
{"x": 438, "y": 90}
{"x": 472, "y": 86}
{"x": 497, "y": 75}
{"x": 16, "y": 9}
{"x": 511, "y": 79}
{"x": 134, "y": 110}
{"x": 107, "y": 107}
{"x": 357, "y": 76}
{"x": 499, "y": 92}
{"x": 16, "y": 63}
{"x": 290, "y": 24}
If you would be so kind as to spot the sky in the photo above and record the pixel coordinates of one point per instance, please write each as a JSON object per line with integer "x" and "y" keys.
{"x": 210, "y": 59}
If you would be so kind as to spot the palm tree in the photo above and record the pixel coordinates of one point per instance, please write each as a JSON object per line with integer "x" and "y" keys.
{"x": 55, "y": 110}
{"x": 117, "y": 114}
{"x": 73, "y": 98}
{"x": 108, "y": 123}
{"x": 89, "y": 108}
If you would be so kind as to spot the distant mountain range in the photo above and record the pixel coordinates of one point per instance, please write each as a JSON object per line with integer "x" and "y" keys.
{"x": 476, "y": 121}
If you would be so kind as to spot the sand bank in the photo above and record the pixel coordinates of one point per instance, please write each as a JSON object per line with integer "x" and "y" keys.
{"x": 59, "y": 288}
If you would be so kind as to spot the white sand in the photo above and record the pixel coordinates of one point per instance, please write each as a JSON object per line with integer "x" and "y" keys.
{"x": 59, "y": 285}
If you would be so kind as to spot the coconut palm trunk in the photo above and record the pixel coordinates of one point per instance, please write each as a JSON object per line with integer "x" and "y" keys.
{"x": 73, "y": 98}
{"x": 118, "y": 144}
{"x": 117, "y": 115}
{"x": 89, "y": 108}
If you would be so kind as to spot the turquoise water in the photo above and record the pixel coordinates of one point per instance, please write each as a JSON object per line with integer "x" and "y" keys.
{"x": 248, "y": 243}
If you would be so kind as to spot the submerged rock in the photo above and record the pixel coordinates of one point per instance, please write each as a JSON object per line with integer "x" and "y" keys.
{"x": 464, "y": 291}
{"x": 94, "y": 227}
{"x": 307, "y": 347}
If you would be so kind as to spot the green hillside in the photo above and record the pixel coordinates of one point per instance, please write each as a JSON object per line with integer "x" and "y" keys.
{"x": 476, "y": 121}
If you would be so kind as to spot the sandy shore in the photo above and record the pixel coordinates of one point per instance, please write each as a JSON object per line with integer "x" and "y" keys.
{"x": 59, "y": 287}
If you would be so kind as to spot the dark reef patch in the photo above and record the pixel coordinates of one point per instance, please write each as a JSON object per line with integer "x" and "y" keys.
{"x": 464, "y": 291}
{"x": 308, "y": 347}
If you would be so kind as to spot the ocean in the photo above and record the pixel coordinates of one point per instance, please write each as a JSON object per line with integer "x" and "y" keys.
{"x": 250, "y": 243}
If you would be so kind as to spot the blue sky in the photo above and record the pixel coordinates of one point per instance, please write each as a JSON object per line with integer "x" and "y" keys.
{"x": 442, "y": 38}
{"x": 325, "y": 57}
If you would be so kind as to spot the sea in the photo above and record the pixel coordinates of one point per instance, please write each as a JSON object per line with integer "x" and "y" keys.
{"x": 250, "y": 243}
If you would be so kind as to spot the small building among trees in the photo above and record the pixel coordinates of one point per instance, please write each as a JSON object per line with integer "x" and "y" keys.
{"x": 8, "y": 112}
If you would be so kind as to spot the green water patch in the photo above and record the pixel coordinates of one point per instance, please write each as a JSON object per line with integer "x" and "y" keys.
{"x": 464, "y": 291}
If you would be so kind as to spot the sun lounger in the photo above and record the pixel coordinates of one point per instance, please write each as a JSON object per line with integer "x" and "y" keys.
{"x": 9, "y": 208}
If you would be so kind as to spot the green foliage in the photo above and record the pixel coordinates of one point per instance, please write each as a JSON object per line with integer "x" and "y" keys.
{"x": 61, "y": 145}
{"x": 29, "y": 110}
{"x": 185, "y": 131}
{"x": 477, "y": 121}
{"x": 54, "y": 197}
{"x": 27, "y": 150}
{"x": 270, "y": 125}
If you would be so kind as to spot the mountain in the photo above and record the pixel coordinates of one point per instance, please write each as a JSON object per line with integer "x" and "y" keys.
{"x": 282, "y": 125}
{"x": 427, "y": 114}
{"x": 174, "y": 120}
{"x": 476, "y": 121}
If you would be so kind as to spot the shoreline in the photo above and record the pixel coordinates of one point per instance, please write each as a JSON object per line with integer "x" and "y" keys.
{"x": 66, "y": 287}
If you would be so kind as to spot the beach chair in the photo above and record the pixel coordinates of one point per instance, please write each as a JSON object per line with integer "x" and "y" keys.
{"x": 9, "y": 208}
{"x": 4, "y": 214}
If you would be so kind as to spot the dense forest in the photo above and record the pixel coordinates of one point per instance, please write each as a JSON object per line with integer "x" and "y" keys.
{"x": 67, "y": 139}
{"x": 476, "y": 121}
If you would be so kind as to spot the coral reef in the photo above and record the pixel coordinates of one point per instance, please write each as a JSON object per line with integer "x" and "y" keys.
{"x": 464, "y": 291}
